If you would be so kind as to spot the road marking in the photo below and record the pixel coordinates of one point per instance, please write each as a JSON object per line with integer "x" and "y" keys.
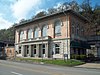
{"x": 16, "y": 73}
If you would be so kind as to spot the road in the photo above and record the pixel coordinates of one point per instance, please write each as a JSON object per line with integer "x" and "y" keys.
{"x": 15, "y": 68}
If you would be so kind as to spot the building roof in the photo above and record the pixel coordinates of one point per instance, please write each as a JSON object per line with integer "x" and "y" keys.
{"x": 47, "y": 16}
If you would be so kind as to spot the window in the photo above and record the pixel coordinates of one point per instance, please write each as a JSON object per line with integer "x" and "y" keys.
{"x": 44, "y": 31}
{"x": 19, "y": 49}
{"x": 27, "y": 49}
{"x": 34, "y": 49}
{"x": 36, "y": 32}
{"x": 57, "y": 48}
{"x": 43, "y": 48}
{"x": 29, "y": 33}
{"x": 57, "y": 28}
{"x": 21, "y": 35}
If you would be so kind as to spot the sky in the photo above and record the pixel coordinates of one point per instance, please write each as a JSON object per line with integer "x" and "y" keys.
{"x": 12, "y": 11}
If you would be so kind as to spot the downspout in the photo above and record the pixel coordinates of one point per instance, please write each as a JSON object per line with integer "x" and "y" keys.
{"x": 68, "y": 56}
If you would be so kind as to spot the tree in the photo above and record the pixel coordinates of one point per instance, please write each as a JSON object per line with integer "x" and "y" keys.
{"x": 7, "y": 34}
{"x": 74, "y": 6}
{"x": 66, "y": 5}
{"x": 96, "y": 14}
{"x": 71, "y": 5}
{"x": 87, "y": 10}
{"x": 96, "y": 18}
{"x": 22, "y": 20}
{"x": 41, "y": 14}
{"x": 86, "y": 6}
{"x": 52, "y": 10}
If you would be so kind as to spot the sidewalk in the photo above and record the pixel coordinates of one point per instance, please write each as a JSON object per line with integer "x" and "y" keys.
{"x": 90, "y": 65}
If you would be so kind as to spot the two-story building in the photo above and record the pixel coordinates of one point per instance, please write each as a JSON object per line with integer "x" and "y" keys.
{"x": 52, "y": 36}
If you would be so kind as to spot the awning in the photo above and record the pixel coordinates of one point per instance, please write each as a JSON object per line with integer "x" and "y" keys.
{"x": 79, "y": 44}
{"x": 85, "y": 45}
{"x": 75, "y": 44}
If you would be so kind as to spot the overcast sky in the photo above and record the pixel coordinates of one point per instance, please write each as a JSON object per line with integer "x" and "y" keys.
{"x": 11, "y": 11}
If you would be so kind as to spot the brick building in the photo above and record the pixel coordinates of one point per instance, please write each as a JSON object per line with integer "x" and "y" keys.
{"x": 52, "y": 36}
{"x": 9, "y": 49}
{"x": 94, "y": 40}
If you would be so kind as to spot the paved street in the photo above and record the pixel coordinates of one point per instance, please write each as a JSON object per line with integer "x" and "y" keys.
{"x": 14, "y": 68}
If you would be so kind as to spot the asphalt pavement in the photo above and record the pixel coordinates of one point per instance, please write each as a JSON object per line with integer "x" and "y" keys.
{"x": 15, "y": 68}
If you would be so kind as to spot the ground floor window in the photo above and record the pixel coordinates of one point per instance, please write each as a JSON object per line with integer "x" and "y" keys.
{"x": 57, "y": 48}
{"x": 19, "y": 49}
{"x": 43, "y": 48}
{"x": 34, "y": 49}
{"x": 27, "y": 49}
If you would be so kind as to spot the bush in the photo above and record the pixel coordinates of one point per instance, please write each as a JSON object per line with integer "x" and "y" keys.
{"x": 90, "y": 58}
{"x": 91, "y": 55}
{"x": 79, "y": 57}
{"x": 82, "y": 57}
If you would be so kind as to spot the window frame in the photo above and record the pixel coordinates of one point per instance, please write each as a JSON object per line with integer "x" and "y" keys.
{"x": 34, "y": 47}
{"x": 57, "y": 30}
{"x": 21, "y": 35}
{"x": 19, "y": 49}
{"x": 57, "y": 49}
{"x": 43, "y": 31}
{"x": 29, "y": 34}
{"x": 35, "y": 33}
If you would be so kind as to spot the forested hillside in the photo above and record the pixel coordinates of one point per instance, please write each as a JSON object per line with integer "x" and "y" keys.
{"x": 7, "y": 34}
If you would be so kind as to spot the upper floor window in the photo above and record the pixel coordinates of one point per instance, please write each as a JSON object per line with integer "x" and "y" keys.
{"x": 44, "y": 31}
{"x": 57, "y": 28}
{"x": 36, "y": 32}
{"x": 30, "y": 33}
{"x": 21, "y": 35}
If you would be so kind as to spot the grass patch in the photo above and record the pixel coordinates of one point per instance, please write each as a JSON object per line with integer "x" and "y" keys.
{"x": 69, "y": 62}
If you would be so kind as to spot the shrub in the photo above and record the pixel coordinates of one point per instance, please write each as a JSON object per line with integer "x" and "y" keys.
{"x": 91, "y": 55}
{"x": 79, "y": 57}
{"x": 82, "y": 57}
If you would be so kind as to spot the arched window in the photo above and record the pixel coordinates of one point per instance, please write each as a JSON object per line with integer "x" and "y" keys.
{"x": 44, "y": 31}
{"x": 36, "y": 32}
{"x": 29, "y": 33}
{"x": 21, "y": 35}
{"x": 57, "y": 28}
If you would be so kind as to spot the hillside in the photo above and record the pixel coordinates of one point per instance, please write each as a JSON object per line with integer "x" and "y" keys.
{"x": 7, "y": 34}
